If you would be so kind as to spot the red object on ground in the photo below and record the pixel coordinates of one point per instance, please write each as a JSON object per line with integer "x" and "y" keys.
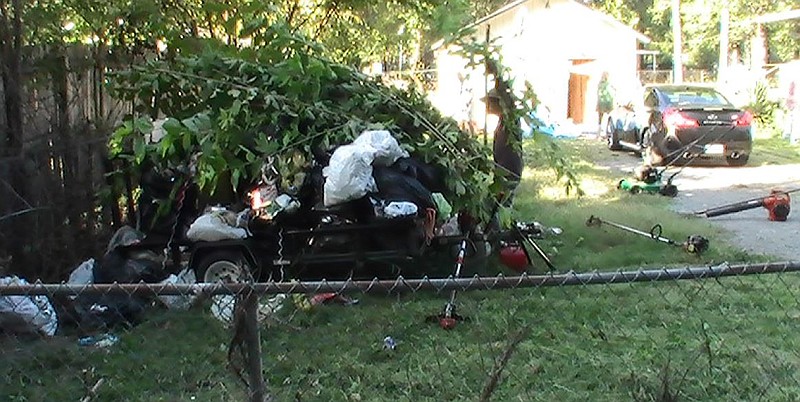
{"x": 447, "y": 322}
{"x": 330, "y": 297}
{"x": 514, "y": 257}
{"x": 778, "y": 204}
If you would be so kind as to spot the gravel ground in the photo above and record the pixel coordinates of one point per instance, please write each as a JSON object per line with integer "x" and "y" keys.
{"x": 704, "y": 187}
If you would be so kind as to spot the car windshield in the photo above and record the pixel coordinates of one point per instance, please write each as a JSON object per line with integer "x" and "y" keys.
{"x": 695, "y": 96}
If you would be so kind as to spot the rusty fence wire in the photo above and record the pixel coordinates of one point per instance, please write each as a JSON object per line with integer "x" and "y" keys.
{"x": 719, "y": 332}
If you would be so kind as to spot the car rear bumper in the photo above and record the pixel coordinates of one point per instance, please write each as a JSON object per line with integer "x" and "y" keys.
{"x": 711, "y": 140}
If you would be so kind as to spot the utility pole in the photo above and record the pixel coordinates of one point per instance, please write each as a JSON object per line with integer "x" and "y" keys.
{"x": 677, "y": 52}
{"x": 724, "y": 29}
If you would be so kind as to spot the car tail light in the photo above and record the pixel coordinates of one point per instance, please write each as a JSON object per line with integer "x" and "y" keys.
{"x": 676, "y": 119}
{"x": 744, "y": 119}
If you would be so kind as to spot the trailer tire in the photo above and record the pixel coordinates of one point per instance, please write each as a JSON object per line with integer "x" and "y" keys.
{"x": 226, "y": 266}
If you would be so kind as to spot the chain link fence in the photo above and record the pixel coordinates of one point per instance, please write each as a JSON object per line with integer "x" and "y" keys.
{"x": 721, "y": 332}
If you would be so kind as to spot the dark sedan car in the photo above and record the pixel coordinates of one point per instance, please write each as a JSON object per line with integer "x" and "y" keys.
{"x": 681, "y": 123}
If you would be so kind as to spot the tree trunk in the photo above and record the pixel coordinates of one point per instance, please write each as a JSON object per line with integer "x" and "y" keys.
{"x": 10, "y": 48}
{"x": 10, "y": 55}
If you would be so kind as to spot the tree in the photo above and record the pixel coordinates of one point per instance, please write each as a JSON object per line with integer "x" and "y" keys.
{"x": 701, "y": 27}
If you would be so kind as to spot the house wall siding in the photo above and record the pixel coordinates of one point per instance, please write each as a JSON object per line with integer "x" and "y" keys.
{"x": 538, "y": 44}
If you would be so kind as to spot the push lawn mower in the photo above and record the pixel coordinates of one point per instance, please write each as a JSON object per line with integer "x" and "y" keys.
{"x": 649, "y": 179}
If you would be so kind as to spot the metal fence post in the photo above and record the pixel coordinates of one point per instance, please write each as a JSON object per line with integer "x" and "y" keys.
{"x": 252, "y": 341}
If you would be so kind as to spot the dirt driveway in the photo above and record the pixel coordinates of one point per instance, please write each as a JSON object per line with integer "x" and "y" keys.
{"x": 704, "y": 187}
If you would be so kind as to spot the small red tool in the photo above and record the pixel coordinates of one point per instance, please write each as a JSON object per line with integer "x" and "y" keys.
{"x": 778, "y": 204}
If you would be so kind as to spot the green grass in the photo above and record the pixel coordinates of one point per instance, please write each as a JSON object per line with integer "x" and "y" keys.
{"x": 732, "y": 339}
{"x": 773, "y": 151}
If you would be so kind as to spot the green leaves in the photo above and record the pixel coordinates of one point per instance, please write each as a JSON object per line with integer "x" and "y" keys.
{"x": 233, "y": 110}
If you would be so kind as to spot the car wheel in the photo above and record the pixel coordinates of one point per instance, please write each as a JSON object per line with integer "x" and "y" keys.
{"x": 740, "y": 161}
{"x": 612, "y": 137}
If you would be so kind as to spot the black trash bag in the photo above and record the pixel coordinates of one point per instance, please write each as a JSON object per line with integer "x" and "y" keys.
{"x": 393, "y": 185}
{"x": 124, "y": 262}
{"x": 90, "y": 311}
{"x": 118, "y": 266}
{"x": 428, "y": 175}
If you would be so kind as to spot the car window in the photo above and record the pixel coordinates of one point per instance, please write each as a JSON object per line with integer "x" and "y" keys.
{"x": 695, "y": 96}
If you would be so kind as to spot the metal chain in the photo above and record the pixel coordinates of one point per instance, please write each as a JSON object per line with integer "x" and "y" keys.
{"x": 180, "y": 197}
{"x": 280, "y": 261}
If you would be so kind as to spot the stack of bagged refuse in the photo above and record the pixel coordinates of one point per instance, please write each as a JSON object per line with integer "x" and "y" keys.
{"x": 375, "y": 165}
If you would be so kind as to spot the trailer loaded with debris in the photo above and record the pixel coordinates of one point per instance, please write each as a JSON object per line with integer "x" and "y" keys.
{"x": 279, "y": 164}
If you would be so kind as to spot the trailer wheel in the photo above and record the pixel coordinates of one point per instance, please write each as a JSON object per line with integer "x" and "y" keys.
{"x": 226, "y": 266}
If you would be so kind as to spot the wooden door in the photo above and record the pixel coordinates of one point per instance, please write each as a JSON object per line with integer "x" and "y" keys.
{"x": 576, "y": 97}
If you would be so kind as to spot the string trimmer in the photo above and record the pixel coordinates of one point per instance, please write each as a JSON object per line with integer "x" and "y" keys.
{"x": 694, "y": 244}
{"x": 448, "y": 318}
{"x": 777, "y": 203}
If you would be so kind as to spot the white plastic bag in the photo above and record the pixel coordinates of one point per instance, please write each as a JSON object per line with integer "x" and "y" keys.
{"x": 26, "y": 314}
{"x": 397, "y": 209}
{"x": 223, "y": 307}
{"x": 182, "y": 302}
{"x": 348, "y": 176}
{"x": 387, "y": 149}
{"x": 84, "y": 274}
{"x": 211, "y": 227}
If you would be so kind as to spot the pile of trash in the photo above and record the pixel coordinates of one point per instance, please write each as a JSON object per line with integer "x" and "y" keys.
{"x": 375, "y": 164}
{"x": 373, "y": 174}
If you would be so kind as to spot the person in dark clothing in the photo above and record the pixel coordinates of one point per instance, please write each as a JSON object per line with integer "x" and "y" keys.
{"x": 506, "y": 145}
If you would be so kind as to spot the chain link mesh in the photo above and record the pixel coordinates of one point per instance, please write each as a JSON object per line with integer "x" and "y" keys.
{"x": 723, "y": 332}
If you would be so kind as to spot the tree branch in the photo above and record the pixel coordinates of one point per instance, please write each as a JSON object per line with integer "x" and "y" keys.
{"x": 501, "y": 363}
{"x": 332, "y": 10}
{"x": 292, "y": 11}
{"x": 22, "y": 212}
{"x": 13, "y": 191}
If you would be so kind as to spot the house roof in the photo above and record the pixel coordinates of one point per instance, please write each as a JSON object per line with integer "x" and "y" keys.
{"x": 600, "y": 15}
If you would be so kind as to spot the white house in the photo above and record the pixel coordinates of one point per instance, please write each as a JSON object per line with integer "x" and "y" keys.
{"x": 560, "y": 46}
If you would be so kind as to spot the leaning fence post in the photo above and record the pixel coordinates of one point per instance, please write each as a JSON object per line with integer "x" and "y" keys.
{"x": 252, "y": 341}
